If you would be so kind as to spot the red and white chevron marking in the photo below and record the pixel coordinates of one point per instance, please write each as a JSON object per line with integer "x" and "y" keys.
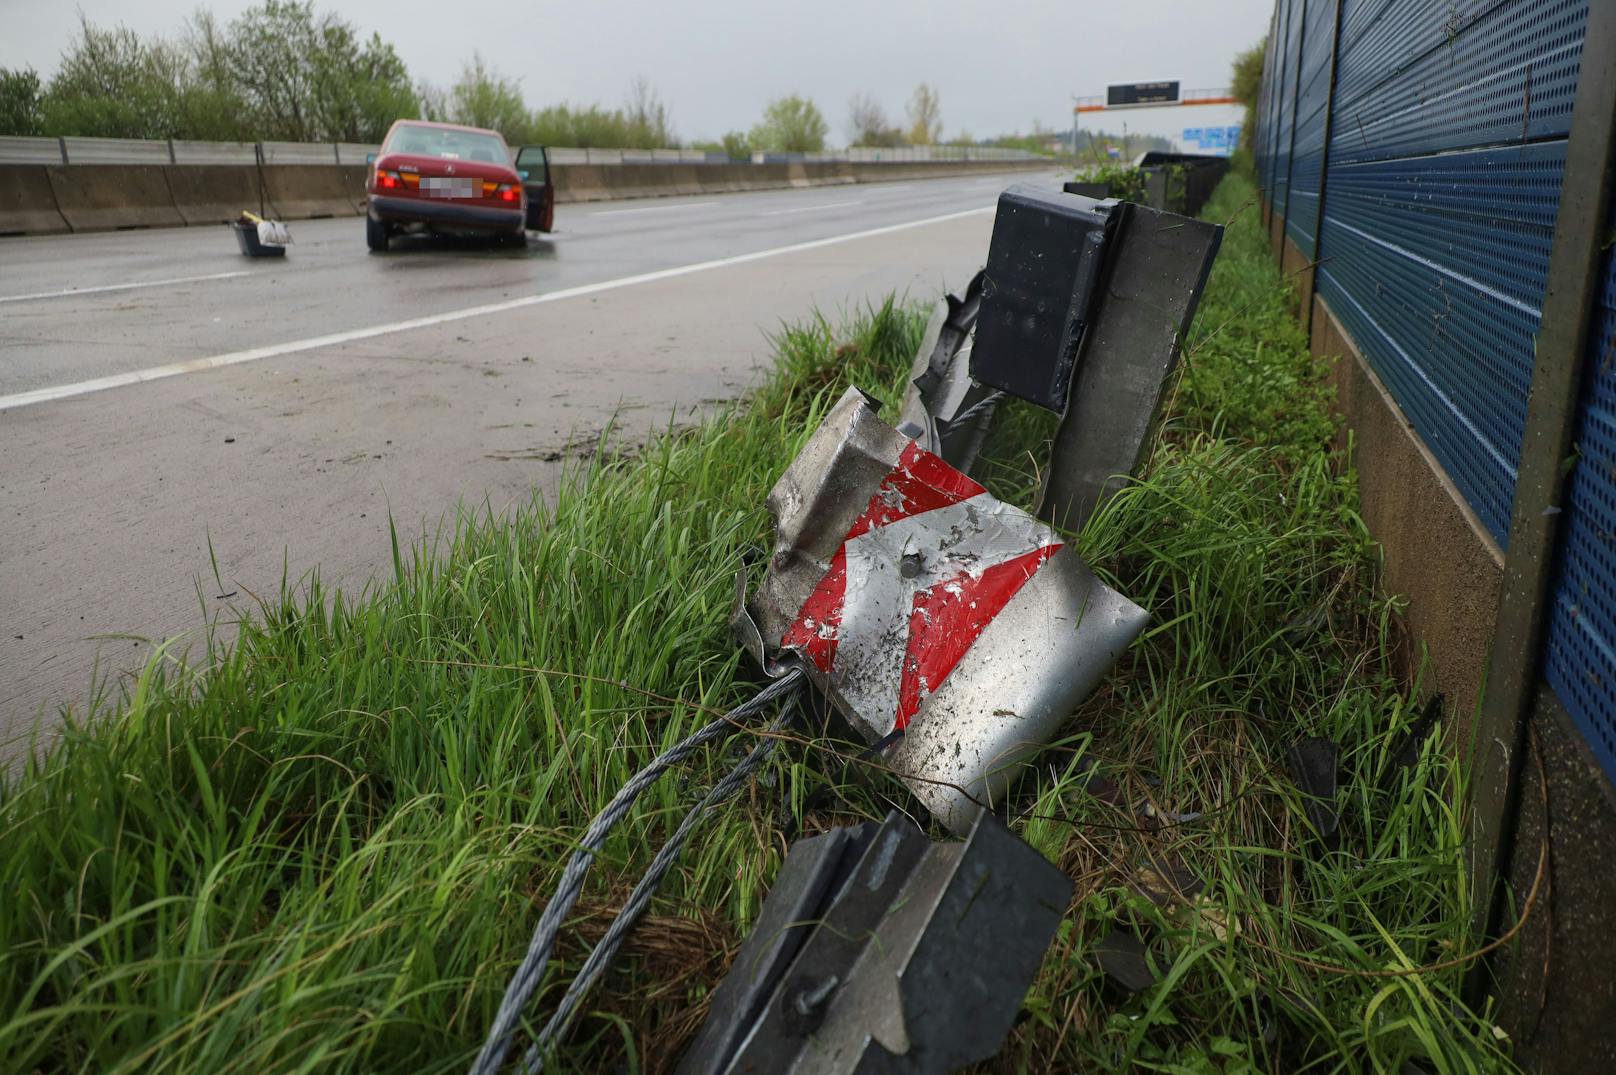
{"x": 889, "y": 631}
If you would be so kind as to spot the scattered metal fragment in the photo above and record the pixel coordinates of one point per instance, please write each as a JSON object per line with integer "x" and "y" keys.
{"x": 1126, "y": 963}
{"x": 925, "y": 610}
{"x": 945, "y": 411}
{"x": 1313, "y": 764}
{"x": 879, "y": 950}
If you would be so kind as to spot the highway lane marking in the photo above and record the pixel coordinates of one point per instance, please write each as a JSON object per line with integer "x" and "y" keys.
{"x": 654, "y": 209}
{"x": 65, "y": 292}
{"x": 810, "y": 208}
{"x": 197, "y": 365}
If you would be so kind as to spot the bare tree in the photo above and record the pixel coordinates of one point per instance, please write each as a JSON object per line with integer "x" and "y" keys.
{"x": 866, "y": 121}
{"x": 647, "y": 116}
{"x": 925, "y": 116}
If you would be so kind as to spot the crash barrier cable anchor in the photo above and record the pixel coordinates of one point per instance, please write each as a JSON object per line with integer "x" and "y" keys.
{"x": 526, "y": 979}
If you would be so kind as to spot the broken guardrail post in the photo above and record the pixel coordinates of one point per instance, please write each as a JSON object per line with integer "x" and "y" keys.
{"x": 879, "y": 950}
{"x": 955, "y": 633}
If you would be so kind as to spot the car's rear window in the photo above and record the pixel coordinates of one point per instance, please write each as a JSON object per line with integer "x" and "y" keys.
{"x": 452, "y": 145}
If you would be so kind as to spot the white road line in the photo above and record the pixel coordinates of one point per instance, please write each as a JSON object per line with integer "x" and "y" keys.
{"x": 275, "y": 350}
{"x": 65, "y": 292}
{"x": 654, "y": 209}
{"x": 810, "y": 208}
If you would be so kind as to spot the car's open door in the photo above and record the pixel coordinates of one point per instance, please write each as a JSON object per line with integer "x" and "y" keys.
{"x": 533, "y": 165}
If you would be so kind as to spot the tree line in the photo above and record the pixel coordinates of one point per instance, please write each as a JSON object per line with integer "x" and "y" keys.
{"x": 282, "y": 71}
{"x": 277, "y": 72}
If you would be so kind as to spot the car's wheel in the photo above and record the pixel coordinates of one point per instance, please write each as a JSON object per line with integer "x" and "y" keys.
{"x": 514, "y": 239}
{"x": 375, "y": 234}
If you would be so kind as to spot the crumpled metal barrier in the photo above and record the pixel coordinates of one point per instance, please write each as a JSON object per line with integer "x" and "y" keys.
{"x": 952, "y": 630}
{"x": 945, "y": 411}
{"x": 880, "y": 951}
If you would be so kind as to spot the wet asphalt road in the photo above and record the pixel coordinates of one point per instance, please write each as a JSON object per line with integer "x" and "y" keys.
{"x": 301, "y": 401}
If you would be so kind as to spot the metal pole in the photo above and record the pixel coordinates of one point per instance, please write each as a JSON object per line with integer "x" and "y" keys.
{"x": 1279, "y": 92}
{"x": 1290, "y": 146}
{"x": 1324, "y": 173}
{"x": 1551, "y": 416}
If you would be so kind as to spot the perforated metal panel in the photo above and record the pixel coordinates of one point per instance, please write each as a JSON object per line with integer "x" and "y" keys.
{"x": 1436, "y": 199}
{"x": 1418, "y": 78}
{"x": 1307, "y": 154}
{"x": 1580, "y": 649}
{"x": 1286, "y": 107}
{"x": 1437, "y": 267}
{"x": 1436, "y": 252}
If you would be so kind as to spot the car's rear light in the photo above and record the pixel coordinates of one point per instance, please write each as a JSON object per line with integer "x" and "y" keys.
{"x": 388, "y": 180}
{"x": 505, "y": 192}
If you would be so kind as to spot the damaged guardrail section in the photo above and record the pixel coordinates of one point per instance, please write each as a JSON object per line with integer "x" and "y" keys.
{"x": 951, "y": 629}
{"x": 954, "y": 633}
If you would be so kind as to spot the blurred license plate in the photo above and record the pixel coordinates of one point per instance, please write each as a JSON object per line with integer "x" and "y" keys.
{"x": 436, "y": 187}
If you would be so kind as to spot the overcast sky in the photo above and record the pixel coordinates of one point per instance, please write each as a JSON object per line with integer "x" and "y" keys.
{"x": 998, "y": 67}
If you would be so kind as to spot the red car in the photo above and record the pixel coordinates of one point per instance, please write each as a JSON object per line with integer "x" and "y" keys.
{"x": 444, "y": 178}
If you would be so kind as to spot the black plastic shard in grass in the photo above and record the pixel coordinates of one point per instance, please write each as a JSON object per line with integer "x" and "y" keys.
{"x": 879, "y": 950}
{"x": 1313, "y": 765}
{"x": 1125, "y": 961}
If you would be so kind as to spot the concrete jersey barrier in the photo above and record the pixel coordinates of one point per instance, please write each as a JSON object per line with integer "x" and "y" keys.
{"x": 40, "y": 199}
{"x": 105, "y": 197}
{"x": 310, "y": 191}
{"x": 27, "y": 205}
{"x": 598, "y": 182}
{"x": 213, "y": 193}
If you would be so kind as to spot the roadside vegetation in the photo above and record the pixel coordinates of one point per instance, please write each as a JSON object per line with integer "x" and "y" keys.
{"x": 323, "y": 847}
{"x": 284, "y": 71}
{"x": 1123, "y": 181}
{"x": 1245, "y": 84}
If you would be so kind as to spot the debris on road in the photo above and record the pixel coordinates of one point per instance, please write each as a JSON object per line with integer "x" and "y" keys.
{"x": 260, "y": 238}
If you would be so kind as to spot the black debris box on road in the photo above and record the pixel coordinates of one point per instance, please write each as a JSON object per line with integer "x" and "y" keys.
{"x": 247, "y": 239}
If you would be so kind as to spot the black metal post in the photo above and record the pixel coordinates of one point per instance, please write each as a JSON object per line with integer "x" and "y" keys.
{"x": 1290, "y": 145}
{"x": 1324, "y": 173}
{"x": 1551, "y": 414}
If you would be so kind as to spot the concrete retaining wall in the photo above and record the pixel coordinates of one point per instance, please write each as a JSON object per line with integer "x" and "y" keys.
{"x": 27, "y": 205}
{"x": 43, "y": 199}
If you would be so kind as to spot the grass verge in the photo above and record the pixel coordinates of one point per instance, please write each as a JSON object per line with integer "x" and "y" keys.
{"x": 323, "y": 848}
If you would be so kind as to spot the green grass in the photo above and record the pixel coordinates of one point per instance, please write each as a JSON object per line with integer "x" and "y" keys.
{"x": 323, "y": 848}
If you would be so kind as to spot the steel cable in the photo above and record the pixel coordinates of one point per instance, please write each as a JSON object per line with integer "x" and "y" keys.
{"x": 638, "y": 900}
{"x": 531, "y": 970}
